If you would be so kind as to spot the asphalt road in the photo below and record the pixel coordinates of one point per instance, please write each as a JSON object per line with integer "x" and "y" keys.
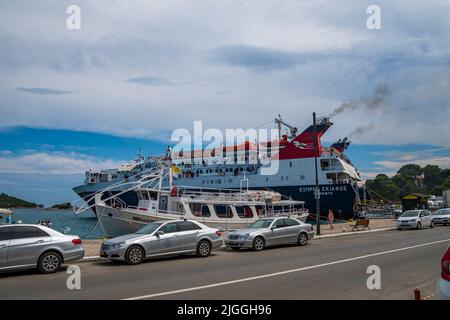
{"x": 333, "y": 268}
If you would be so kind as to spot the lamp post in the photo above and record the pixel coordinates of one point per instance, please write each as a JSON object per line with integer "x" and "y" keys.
{"x": 316, "y": 191}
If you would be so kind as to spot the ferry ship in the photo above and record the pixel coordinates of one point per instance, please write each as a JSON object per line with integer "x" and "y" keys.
{"x": 232, "y": 167}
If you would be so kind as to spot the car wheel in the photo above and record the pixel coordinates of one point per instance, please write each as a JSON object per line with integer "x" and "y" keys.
{"x": 134, "y": 255}
{"x": 418, "y": 226}
{"x": 49, "y": 262}
{"x": 432, "y": 224}
{"x": 258, "y": 244}
{"x": 204, "y": 248}
{"x": 302, "y": 239}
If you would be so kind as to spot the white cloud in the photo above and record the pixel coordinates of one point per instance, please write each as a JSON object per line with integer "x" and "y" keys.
{"x": 56, "y": 164}
{"x": 441, "y": 161}
{"x": 308, "y": 56}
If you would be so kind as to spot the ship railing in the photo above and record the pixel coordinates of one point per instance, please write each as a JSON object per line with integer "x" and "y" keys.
{"x": 144, "y": 179}
{"x": 234, "y": 195}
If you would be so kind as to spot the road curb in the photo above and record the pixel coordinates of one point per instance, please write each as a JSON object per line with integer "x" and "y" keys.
{"x": 352, "y": 233}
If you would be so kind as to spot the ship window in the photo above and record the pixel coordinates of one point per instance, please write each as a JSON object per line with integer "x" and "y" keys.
{"x": 223, "y": 211}
{"x": 287, "y": 178}
{"x": 267, "y": 179}
{"x": 302, "y": 177}
{"x": 230, "y": 180}
{"x": 282, "y": 178}
{"x": 324, "y": 164}
{"x": 244, "y": 211}
{"x": 290, "y": 164}
{"x": 199, "y": 210}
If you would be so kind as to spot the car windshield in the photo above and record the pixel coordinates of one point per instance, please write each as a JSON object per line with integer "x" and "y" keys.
{"x": 412, "y": 213}
{"x": 263, "y": 223}
{"x": 441, "y": 212}
{"x": 150, "y": 228}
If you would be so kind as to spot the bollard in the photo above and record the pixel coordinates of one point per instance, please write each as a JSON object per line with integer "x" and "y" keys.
{"x": 417, "y": 294}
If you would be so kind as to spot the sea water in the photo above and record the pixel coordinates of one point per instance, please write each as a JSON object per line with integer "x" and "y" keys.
{"x": 84, "y": 225}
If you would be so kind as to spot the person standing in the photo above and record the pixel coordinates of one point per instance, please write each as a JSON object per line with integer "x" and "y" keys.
{"x": 331, "y": 218}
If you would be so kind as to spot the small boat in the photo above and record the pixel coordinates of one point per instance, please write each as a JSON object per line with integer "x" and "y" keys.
{"x": 6, "y": 215}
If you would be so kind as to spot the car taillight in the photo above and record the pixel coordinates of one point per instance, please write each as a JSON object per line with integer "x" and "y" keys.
{"x": 445, "y": 264}
{"x": 218, "y": 233}
{"x": 76, "y": 241}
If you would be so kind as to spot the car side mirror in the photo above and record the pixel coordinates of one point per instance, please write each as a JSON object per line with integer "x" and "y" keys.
{"x": 159, "y": 233}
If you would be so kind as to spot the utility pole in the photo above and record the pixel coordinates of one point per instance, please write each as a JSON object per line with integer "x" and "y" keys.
{"x": 316, "y": 191}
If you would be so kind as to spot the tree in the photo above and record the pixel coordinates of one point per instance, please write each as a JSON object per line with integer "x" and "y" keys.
{"x": 432, "y": 176}
{"x": 437, "y": 190}
{"x": 445, "y": 173}
{"x": 446, "y": 182}
{"x": 410, "y": 170}
{"x": 399, "y": 180}
{"x": 383, "y": 188}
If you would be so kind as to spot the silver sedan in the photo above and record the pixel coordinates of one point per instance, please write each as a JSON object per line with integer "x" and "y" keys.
{"x": 269, "y": 232}
{"x": 162, "y": 238}
{"x": 442, "y": 216}
{"x": 28, "y": 246}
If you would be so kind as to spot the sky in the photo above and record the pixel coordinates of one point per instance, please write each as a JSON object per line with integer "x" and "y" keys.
{"x": 73, "y": 100}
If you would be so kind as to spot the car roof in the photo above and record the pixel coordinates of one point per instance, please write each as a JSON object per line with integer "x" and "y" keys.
{"x": 49, "y": 230}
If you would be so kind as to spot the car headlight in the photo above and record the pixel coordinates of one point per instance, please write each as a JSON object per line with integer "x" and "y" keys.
{"x": 244, "y": 236}
{"x": 118, "y": 245}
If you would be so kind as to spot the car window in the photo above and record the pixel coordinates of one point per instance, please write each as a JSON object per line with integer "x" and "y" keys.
{"x": 187, "y": 226}
{"x": 422, "y": 213}
{"x": 4, "y": 233}
{"x": 23, "y": 232}
{"x": 261, "y": 223}
{"x": 410, "y": 213}
{"x": 280, "y": 223}
{"x": 291, "y": 222}
{"x": 169, "y": 228}
{"x": 442, "y": 212}
{"x": 149, "y": 228}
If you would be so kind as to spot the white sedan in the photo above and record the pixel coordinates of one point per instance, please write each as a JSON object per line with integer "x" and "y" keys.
{"x": 443, "y": 286}
{"x": 415, "y": 219}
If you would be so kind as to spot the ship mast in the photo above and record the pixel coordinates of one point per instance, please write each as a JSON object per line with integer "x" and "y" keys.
{"x": 293, "y": 130}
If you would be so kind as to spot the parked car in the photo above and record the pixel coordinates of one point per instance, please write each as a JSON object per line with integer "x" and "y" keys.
{"x": 442, "y": 216}
{"x": 415, "y": 219}
{"x": 28, "y": 246}
{"x": 270, "y": 231}
{"x": 163, "y": 238}
{"x": 443, "y": 286}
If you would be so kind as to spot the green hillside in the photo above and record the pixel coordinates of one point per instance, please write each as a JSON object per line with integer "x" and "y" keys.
{"x": 7, "y": 201}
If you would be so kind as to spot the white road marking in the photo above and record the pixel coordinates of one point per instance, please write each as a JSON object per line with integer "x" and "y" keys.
{"x": 225, "y": 283}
